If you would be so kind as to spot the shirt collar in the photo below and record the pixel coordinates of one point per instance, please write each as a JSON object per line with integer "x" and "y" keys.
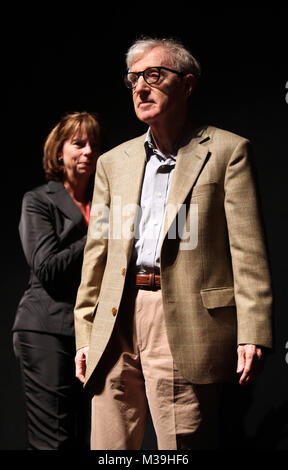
{"x": 151, "y": 149}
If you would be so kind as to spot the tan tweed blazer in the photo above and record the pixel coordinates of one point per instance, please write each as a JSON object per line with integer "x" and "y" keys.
{"x": 216, "y": 291}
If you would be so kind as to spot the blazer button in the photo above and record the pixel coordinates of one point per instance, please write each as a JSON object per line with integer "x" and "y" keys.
{"x": 114, "y": 311}
{"x": 123, "y": 272}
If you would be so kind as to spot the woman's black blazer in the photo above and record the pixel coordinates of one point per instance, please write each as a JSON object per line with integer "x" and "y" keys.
{"x": 53, "y": 235}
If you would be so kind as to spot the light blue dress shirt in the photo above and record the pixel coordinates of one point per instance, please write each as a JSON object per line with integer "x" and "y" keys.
{"x": 155, "y": 190}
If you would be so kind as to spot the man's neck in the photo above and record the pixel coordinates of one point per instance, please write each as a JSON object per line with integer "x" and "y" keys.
{"x": 167, "y": 136}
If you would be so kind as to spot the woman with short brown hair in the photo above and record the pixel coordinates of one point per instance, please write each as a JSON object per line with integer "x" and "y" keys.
{"x": 53, "y": 229}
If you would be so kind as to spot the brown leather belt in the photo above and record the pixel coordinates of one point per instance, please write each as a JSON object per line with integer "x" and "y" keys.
{"x": 148, "y": 281}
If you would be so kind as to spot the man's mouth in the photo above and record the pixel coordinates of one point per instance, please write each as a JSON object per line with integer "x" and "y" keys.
{"x": 145, "y": 103}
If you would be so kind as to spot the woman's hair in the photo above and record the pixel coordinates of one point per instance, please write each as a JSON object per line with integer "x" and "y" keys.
{"x": 69, "y": 125}
{"x": 181, "y": 58}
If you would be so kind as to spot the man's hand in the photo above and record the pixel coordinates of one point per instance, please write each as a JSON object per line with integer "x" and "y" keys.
{"x": 250, "y": 361}
{"x": 80, "y": 362}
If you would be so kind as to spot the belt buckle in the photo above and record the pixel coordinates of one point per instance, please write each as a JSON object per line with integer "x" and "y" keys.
{"x": 149, "y": 281}
{"x": 152, "y": 281}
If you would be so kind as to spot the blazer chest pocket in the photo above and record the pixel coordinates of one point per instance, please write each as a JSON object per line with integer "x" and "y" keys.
{"x": 218, "y": 297}
{"x": 202, "y": 189}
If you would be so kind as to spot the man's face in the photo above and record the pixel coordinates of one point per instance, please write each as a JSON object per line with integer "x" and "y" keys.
{"x": 165, "y": 100}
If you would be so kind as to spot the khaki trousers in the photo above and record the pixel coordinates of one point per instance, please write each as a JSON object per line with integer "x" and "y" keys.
{"x": 137, "y": 371}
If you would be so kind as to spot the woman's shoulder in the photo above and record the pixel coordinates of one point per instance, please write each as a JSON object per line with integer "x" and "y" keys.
{"x": 43, "y": 190}
{"x": 42, "y": 197}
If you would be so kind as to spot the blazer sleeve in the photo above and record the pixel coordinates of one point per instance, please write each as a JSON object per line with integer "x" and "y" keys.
{"x": 252, "y": 283}
{"x": 48, "y": 258}
{"x": 94, "y": 261}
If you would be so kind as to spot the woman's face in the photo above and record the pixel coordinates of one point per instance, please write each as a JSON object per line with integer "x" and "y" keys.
{"x": 79, "y": 159}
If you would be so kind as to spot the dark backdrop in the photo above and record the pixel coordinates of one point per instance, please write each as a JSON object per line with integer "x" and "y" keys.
{"x": 53, "y": 68}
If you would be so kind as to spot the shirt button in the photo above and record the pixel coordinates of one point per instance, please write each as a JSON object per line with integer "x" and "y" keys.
{"x": 114, "y": 311}
{"x": 123, "y": 272}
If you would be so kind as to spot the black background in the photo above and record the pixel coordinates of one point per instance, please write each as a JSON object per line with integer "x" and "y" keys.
{"x": 52, "y": 65}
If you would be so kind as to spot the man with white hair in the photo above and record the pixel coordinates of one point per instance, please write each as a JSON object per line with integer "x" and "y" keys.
{"x": 175, "y": 297}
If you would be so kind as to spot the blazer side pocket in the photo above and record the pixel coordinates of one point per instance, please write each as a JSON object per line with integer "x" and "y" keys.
{"x": 218, "y": 297}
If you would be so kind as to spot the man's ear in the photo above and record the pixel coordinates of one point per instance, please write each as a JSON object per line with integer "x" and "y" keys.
{"x": 190, "y": 83}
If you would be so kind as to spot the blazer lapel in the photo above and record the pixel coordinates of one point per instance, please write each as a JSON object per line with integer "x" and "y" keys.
{"x": 62, "y": 199}
{"x": 131, "y": 192}
{"x": 190, "y": 161}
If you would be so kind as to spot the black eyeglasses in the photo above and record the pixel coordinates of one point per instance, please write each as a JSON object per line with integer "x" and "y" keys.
{"x": 150, "y": 75}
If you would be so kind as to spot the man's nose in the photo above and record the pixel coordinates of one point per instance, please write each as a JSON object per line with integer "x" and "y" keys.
{"x": 141, "y": 84}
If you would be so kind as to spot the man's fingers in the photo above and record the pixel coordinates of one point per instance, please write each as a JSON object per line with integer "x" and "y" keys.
{"x": 249, "y": 357}
{"x": 245, "y": 377}
{"x": 80, "y": 363}
{"x": 241, "y": 360}
{"x": 80, "y": 370}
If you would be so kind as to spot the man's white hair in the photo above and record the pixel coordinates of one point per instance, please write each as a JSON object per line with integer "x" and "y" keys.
{"x": 181, "y": 58}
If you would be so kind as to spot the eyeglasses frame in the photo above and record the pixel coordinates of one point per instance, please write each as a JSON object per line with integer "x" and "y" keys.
{"x": 159, "y": 68}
